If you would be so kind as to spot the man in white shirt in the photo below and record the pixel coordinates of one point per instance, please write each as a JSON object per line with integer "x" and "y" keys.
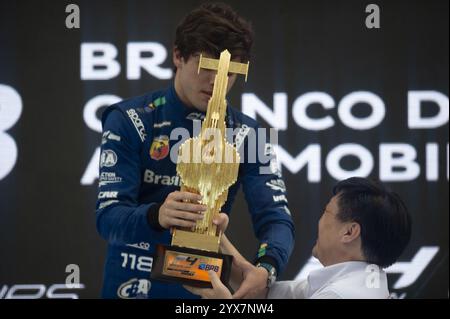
{"x": 363, "y": 229}
{"x": 346, "y": 280}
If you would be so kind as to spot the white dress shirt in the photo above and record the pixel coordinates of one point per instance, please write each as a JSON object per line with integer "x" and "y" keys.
{"x": 347, "y": 280}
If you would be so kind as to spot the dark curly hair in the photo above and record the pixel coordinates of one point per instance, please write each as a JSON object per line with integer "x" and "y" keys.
{"x": 212, "y": 28}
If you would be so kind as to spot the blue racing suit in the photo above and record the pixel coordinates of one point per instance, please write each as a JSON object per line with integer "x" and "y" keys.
{"x": 137, "y": 173}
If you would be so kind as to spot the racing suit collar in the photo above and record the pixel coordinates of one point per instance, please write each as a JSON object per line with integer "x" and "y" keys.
{"x": 176, "y": 101}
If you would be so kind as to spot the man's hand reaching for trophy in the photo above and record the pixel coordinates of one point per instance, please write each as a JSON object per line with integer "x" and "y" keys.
{"x": 252, "y": 281}
{"x": 218, "y": 291}
{"x": 221, "y": 221}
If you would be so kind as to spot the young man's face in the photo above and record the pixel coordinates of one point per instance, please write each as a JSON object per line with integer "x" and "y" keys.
{"x": 193, "y": 88}
{"x": 328, "y": 247}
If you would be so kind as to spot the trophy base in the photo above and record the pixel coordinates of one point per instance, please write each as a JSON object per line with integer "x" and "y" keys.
{"x": 189, "y": 266}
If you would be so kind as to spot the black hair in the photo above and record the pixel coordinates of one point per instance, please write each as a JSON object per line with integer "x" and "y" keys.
{"x": 382, "y": 215}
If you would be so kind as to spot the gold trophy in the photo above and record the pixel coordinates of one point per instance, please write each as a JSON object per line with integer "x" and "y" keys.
{"x": 207, "y": 165}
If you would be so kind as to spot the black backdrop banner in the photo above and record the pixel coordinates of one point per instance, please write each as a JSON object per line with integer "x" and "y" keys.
{"x": 346, "y": 99}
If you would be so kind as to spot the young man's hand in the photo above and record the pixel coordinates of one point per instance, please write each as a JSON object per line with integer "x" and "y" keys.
{"x": 179, "y": 210}
{"x": 218, "y": 291}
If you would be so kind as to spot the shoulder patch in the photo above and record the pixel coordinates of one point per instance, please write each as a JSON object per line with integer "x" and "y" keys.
{"x": 153, "y": 105}
{"x": 139, "y": 110}
{"x": 137, "y": 122}
{"x": 160, "y": 101}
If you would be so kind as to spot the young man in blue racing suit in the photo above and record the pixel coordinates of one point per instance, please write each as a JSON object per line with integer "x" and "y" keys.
{"x": 138, "y": 196}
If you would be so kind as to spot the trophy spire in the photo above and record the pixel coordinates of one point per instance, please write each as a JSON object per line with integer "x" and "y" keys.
{"x": 215, "y": 114}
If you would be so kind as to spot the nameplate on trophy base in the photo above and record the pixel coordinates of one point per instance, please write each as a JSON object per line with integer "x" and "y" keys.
{"x": 190, "y": 266}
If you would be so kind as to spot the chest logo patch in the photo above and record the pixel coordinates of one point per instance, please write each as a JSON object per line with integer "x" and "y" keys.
{"x": 160, "y": 147}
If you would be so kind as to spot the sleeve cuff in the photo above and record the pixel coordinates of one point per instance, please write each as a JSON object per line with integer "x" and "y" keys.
{"x": 268, "y": 260}
{"x": 153, "y": 217}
